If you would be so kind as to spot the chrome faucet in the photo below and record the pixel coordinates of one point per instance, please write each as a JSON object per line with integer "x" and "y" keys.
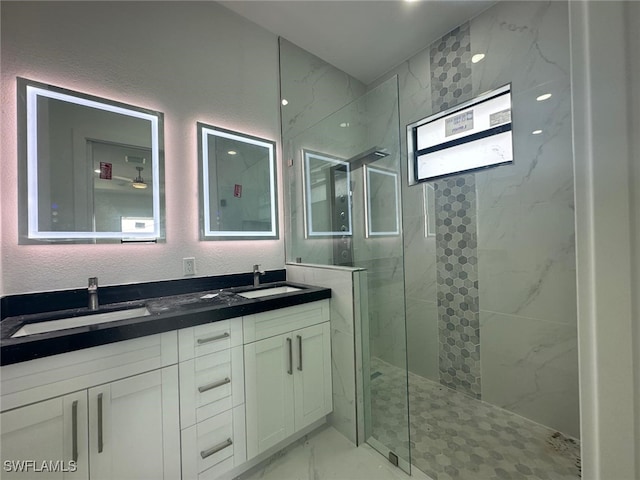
{"x": 256, "y": 275}
{"x": 93, "y": 293}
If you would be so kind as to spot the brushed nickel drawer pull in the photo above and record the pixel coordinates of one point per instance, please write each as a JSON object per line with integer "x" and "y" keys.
{"x": 100, "y": 439}
{"x": 74, "y": 429}
{"x": 213, "y": 339}
{"x": 213, "y": 385}
{"x": 215, "y": 449}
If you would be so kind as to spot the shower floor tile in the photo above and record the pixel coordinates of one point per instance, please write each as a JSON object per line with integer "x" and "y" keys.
{"x": 454, "y": 436}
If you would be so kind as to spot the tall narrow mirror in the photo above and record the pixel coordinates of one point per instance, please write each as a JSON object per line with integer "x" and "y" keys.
{"x": 237, "y": 185}
{"x": 91, "y": 169}
{"x": 327, "y": 195}
{"x": 382, "y": 216}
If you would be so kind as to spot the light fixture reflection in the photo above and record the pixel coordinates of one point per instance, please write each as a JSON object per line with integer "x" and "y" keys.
{"x": 138, "y": 182}
{"x": 536, "y": 132}
{"x": 285, "y": 102}
{"x": 477, "y": 57}
{"x": 232, "y": 152}
{"x": 543, "y": 97}
{"x": 345, "y": 124}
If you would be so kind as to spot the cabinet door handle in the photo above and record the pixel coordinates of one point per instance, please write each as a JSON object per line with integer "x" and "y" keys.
{"x": 100, "y": 442}
{"x": 213, "y": 385}
{"x": 299, "y": 352}
{"x": 212, "y": 339}
{"x": 74, "y": 431}
{"x": 216, "y": 448}
{"x": 290, "y": 369}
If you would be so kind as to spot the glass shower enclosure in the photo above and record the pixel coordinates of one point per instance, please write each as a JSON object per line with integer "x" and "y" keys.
{"x": 342, "y": 181}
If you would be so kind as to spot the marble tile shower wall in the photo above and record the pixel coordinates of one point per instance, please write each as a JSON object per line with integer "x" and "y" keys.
{"x": 526, "y": 244}
{"x": 314, "y": 89}
{"x": 309, "y": 123}
{"x": 524, "y": 216}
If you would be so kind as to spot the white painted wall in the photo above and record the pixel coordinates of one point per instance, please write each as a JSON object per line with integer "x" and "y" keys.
{"x": 194, "y": 61}
{"x": 607, "y": 187}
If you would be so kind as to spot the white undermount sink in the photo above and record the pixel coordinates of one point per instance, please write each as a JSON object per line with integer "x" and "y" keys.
{"x": 83, "y": 321}
{"x": 265, "y": 292}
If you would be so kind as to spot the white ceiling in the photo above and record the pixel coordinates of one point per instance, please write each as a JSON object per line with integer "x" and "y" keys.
{"x": 365, "y": 38}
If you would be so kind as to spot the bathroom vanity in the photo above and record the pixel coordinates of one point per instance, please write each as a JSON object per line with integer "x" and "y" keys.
{"x": 199, "y": 388}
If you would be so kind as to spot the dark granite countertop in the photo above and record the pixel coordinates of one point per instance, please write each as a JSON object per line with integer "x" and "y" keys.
{"x": 165, "y": 314}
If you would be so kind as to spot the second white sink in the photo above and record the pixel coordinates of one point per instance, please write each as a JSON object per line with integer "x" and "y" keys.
{"x": 83, "y": 321}
{"x": 269, "y": 291}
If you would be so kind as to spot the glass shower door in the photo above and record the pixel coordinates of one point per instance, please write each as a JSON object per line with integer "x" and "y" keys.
{"x": 346, "y": 171}
{"x": 380, "y": 251}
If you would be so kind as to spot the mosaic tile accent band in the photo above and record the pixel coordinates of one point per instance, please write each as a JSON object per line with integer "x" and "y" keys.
{"x": 450, "y": 69}
{"x": 457, "y": 281}
{"x": 456, "y": 232}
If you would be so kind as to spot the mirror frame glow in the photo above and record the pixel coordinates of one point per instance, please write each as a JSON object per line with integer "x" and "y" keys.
{"x": 309, "y": 232}
{"x": 28, "y": 93}
{"x": 205, "y": 157}
{"x": 368, "y": 171}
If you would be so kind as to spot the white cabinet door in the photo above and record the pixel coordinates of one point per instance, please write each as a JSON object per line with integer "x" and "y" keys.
{"x": 134, "y": 427}
{"x": 268, "y": 392}
{"x": 287, "y": 385}
{"x": 312, "y": 385}
{"x": 50, "y": 436}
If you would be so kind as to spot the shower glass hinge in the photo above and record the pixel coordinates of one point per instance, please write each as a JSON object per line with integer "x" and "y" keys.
{"x": 393, "y": 458}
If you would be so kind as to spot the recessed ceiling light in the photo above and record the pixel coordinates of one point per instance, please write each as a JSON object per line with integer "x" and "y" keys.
{"x": 536, "y": 132}
{"x": 543, "y": 97}
{"x": 232, "y": 152}
{"x": 344, "y": 124}
{"x": 97, "y": 170}
{"x": 477, "y": 57}
{"x": 285, "y": 101}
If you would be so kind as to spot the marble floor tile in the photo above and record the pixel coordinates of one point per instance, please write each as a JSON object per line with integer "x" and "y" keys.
{"x": 326, "y": 454}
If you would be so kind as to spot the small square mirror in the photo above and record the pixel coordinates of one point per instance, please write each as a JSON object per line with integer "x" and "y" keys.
{"x": 237, "y": 173}
{"x": 86, "y": 166}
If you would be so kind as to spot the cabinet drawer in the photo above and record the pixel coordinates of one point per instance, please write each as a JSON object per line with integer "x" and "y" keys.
{"x": 218, "y": 443}
{"x": 276, "y": 322}
{"x": 211, "y": 384}
{"x": 42, "y": 378}
{"x": 209, "y": 338}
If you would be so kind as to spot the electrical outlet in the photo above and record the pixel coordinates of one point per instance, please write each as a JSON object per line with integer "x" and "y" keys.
{"x": 189, "y": 266}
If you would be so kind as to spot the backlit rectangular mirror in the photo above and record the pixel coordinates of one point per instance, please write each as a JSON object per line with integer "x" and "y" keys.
{"x": 327, "y": 195}
{"x": 90, "y": 169}
{"x": 237, "y": 185}
{"x": 382, "y": 209}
